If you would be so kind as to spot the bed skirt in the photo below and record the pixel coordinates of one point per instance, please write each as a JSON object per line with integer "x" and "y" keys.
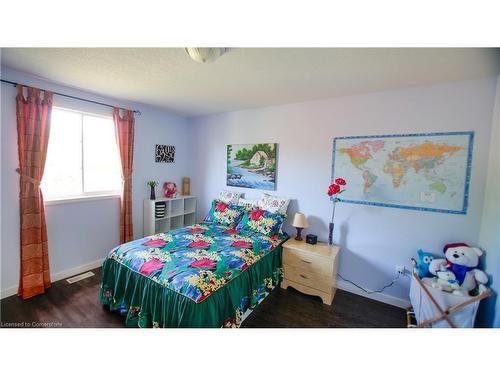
{"x": 147, "y": 303}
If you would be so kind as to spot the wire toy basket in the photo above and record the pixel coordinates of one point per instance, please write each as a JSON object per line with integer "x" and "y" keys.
{"x": 434, "y": 308}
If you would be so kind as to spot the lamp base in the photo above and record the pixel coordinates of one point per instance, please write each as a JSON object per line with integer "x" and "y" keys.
{"x": 299, "y": 236}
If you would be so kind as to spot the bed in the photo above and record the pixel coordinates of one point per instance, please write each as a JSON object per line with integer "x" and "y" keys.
{"x": 204, "y": 275}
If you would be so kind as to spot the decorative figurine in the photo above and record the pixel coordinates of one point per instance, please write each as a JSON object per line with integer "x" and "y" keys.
{"x": 185, "y": 186}
{"x": 170, "y": 190}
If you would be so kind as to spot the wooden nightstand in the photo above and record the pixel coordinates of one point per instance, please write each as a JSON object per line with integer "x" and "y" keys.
{"x": 311, "y": 269}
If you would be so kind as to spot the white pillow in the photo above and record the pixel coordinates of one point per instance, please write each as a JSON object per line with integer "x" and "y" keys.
{"x": 227, "y": 196}
{"x": 248, "y": 204}
{"x": 273, "y": 204}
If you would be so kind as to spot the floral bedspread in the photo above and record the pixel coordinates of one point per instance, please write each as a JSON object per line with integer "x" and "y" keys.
{"x": 196, "y": 260}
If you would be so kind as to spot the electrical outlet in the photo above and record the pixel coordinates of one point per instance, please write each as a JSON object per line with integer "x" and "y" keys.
{"x": 400, "y": 269}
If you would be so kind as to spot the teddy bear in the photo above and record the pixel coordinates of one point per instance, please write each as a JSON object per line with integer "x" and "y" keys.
{"x": 447, "y": 281}
{"x": 462, "y": 260}
{"x": 170, "y": 190}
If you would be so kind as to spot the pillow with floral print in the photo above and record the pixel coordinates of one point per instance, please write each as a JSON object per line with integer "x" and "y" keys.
{"x": 227, "y": 196}
{"x": 248, "y": 204}
{"x": 273, "y": 204}
{"x": 224, "y": 213}
{"x": 261, "y": 221}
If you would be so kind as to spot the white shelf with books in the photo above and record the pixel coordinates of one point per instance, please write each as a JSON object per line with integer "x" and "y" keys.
{"x": 164, "y": 214}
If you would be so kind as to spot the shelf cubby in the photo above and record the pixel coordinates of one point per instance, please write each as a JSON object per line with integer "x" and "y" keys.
{"x": 176, "y": 222}
{"x": 190, "y": 205}
{"x": 179, "y": 212}
{"x": 190, "y": 219}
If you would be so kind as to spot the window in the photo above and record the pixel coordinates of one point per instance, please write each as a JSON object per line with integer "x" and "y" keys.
{"x": 82, "y": 157}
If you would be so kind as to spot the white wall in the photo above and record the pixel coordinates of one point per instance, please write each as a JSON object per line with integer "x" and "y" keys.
{"x": 373, "y": 239}
{"x": 489, "y": 239}
{"x": 83, "y": 232}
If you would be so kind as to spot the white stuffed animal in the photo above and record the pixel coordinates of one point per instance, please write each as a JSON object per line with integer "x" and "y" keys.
{"x": 462, "y": 260}
{"x": 447, "y": 281}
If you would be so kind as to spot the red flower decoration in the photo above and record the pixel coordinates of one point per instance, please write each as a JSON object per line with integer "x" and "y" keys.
{"x": 156, "y": 243}
{"x": 243, "y": 244}
{"x": 200, "y": 244}
{"x": 203, "y": 263}
{"x": 340, "y": 181}
{"x": 197, "y": 230}
{"x": 232, "y": 230}
{"x": 333, "y": 189}
{"x": 256, "y": 214}
{"x": 150, "y": 266}
{"x": 221, "y": 206}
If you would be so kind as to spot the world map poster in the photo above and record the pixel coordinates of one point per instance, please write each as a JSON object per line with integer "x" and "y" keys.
{"x": 429, "y": 172}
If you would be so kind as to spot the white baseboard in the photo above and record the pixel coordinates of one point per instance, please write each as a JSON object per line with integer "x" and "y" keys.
{"x": 7, "y": 292}
{"x": 381, "y": 297}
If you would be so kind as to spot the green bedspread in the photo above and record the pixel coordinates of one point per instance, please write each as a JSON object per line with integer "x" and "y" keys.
{"x": 203, "y": 275}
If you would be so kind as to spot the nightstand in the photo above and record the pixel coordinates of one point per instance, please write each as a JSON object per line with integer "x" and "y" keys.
{"x": 311, "y": 269}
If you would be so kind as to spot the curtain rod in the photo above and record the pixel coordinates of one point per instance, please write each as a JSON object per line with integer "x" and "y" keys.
{"x": 72, "y": 97}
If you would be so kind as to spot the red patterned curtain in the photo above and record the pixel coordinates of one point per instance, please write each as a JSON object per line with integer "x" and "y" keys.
{"x": 33, "y": 128}
{"x": 124, "y": 129}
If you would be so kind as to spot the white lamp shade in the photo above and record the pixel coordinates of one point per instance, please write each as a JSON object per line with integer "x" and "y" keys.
{"x": 300, "y": 220}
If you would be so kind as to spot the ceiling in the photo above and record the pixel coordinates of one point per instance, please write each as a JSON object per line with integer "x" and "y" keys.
{"x": 248, "y": 77}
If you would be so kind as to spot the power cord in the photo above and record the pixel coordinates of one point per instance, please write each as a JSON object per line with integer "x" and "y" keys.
{"x": 371, "y": 291}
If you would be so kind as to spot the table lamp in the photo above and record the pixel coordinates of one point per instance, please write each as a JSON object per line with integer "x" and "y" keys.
{"x": 300, "y": 222}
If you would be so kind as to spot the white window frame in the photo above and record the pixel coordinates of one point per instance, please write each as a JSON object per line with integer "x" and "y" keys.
{"x": 95, "y": 195}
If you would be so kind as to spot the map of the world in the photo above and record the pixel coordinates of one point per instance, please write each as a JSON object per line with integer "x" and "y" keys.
{"x": 417, "y": 171}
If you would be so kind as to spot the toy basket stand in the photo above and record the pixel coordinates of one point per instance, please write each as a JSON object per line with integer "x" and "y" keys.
{"x": 434, "y": 308}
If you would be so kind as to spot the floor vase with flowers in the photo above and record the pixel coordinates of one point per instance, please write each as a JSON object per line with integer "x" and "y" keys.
{"x": 334, "y": 190}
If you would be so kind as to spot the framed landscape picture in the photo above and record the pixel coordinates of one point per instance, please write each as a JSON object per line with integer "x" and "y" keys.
{"x": 252, "y": 166}
{"x": 427, "y": 172}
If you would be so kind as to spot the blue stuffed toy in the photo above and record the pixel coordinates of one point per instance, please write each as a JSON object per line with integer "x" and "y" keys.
{"x": 424, "y": 259}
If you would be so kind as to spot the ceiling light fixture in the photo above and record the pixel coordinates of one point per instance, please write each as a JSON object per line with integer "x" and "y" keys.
{"x": 205, "y": 55}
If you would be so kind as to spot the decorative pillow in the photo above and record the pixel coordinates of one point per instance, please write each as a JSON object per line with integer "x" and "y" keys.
{"x": 273, "y": 204}
{"x": 224, "y": 213}
{"x": 261, "y": 221}
{"x": 227, "y": 196}
{"x": 248, "y": 204}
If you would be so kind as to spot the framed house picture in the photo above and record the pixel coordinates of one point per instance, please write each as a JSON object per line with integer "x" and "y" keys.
{"x": 252, "y": 166}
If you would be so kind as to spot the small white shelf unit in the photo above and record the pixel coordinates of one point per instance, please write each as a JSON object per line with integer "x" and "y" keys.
{"x": 179, "y": 212}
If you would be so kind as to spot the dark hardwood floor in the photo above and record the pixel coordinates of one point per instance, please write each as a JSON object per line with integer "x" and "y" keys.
{"x": 292, "y": 309}
{"x": 77, "y": 305}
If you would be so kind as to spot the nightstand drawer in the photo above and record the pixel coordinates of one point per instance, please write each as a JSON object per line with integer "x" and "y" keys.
{"x": 308, "y": 262}
{"x": 310, "y": 279}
